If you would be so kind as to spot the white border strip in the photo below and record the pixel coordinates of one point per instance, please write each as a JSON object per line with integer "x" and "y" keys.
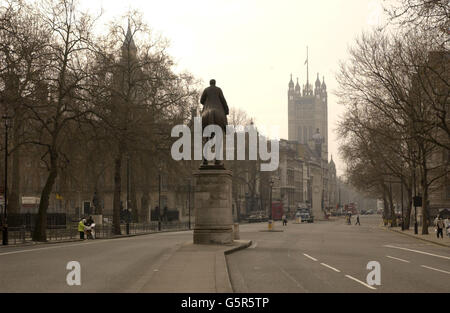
{"x": 334, "y": 269}
{"x": 362, "y": 283}
{"x": 436, "y": 269}
{"x": 417, "y": 251}
{"x": 391, "y": 257}
{"x": 308, "y": 256}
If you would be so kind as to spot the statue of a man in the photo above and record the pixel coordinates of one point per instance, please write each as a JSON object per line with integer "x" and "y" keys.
{"x": 215, "y": 109}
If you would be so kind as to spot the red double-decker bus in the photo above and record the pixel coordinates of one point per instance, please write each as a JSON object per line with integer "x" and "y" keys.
{"x": 277, "y": 210}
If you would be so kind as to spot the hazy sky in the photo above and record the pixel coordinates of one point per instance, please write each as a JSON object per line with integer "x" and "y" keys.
{"x": 252, "y": 46}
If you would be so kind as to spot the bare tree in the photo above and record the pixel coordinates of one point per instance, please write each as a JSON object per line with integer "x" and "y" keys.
{"x": 392, "y": 111}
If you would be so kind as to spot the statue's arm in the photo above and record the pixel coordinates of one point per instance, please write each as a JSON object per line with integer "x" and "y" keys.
{"x": 203, "y": 97}
{"x": 224, "y": 102}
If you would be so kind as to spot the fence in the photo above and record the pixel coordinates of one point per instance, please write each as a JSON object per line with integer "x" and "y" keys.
{"x": 17, "y": 235}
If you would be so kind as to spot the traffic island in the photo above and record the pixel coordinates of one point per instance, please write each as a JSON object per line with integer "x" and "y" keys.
{"x": 193, "y": 268}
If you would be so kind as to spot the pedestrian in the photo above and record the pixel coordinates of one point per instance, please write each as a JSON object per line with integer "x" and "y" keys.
{"x": 357, "y": 220}
{"x": 440, "y": 228}
{"x": 284, "y": 220}
{"x": 447, "y": 226}
{"x": 89, "y": 229}
{"x": 81, "y": 227}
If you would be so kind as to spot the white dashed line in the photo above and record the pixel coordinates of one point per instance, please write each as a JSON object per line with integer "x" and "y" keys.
{"x": 362, "y": 283}
{"x": 308, "y": 256}
{"x": 391, "y": 257}
{"x": 436, "y": 269}
{"x": 417, "y": 251}
{"x": 334, "y": 269}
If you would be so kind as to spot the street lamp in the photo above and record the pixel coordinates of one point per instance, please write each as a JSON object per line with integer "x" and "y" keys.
{"x": 401, "y": 192}
{"x": 5, "y": 213}
{"x": 128, "y": 196}
{"x": 270, "y": 205}
{"x": 159, "y": 196}
{"x": 189, "y": 202}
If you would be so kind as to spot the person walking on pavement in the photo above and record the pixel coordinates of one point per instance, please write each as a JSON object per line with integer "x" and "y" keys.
{"x": 89, "y": 228}
{"x": 81, "y": 227}
{"x": 357, "y": 220}
{"x": 440, "y": 228}
{"x": 284, "y": 219}
{"x": 447, "y": 226}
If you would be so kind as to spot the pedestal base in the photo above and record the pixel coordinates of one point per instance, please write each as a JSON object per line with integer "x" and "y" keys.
{"x": 213, "y": 211}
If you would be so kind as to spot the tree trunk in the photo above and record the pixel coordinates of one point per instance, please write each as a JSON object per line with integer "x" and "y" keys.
{"x": 425, "y": 203}
{"x": 385, "y": 205}
{"x": 39, "y": 233}
{"x": 133, "y": 199}
{"x": 424, "y": 183}
{"x": 145, "y": 199}
{"x": 14, "y": 195}
{"x": 117, "y": 192}
{"x": 392, "y": 211}
{"x": 407, "y": 215}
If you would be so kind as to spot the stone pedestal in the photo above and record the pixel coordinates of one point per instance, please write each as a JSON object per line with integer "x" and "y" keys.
{"x": 213, "y": 210}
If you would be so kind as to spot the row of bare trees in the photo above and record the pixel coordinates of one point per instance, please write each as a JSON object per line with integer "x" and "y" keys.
{"x": 81, "y": 101}
{"x": 395, "y": 87}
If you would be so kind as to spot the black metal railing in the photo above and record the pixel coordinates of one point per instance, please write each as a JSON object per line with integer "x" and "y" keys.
{"x": 20, "y": 235}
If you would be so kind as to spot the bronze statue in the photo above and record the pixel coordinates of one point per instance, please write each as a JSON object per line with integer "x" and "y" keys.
{"x": 215, "y": 111}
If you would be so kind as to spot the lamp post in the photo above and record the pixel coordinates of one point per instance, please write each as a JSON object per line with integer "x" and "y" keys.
{"x": 270, "y": 205}
{"x": 391, "y": 203}
{"x": 159, "y": 197}
{"x": 189, "y": 202}
{"x": 5, "y": 212}
{"x": 127, "y": 225}
{"x": 401, "y": 192}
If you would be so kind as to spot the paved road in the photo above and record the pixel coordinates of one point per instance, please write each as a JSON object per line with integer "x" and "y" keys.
{"x": 304, "y": 258}
{"x": 117, "y": 265}
{"x": 332, "y": 257}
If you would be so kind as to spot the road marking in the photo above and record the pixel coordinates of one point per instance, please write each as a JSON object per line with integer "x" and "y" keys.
{"x": 334, "y": 269}
{"x": 362, "y": 283}
{"x": 391, "y": 257}
{"x": 417, "y": 251}
{"x": 308, "y": 256}
{"x": 436, "y": 269}
{"x": 46, "y": 248}
{"x": 292, "y": 278}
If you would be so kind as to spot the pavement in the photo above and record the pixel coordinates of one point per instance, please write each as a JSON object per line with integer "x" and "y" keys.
{"x": 160, "y": 262}
{"x": 431, "y": 237}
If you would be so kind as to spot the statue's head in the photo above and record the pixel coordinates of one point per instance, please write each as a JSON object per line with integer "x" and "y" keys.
{"x": 212, "y": 82}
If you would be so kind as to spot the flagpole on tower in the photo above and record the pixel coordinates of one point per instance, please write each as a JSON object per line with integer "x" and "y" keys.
{"x": 307, "y": 69}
